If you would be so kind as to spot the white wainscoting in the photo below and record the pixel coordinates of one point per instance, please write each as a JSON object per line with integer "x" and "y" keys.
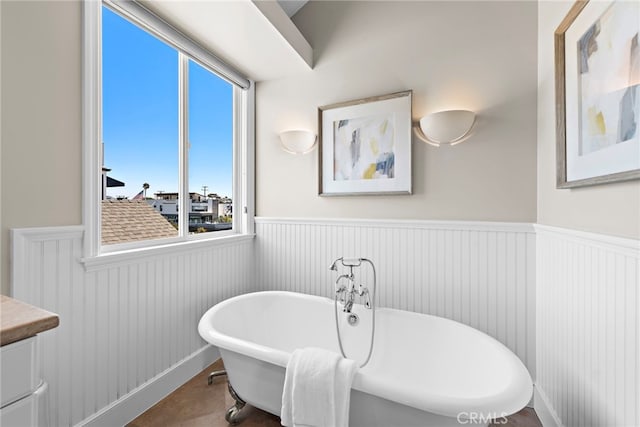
{"x": 567, "y": 305}
{"x": 124, "y": 329}
{"x": 481, "y": 274}
{"x": 588, "y": 329}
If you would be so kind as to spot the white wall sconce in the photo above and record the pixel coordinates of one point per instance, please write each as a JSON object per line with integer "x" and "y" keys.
{"x": 298, "y": 141}
{"x": 445, "y": 127}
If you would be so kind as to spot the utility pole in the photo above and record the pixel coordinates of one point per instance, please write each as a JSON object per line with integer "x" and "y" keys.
{"x": 204, "y": 190}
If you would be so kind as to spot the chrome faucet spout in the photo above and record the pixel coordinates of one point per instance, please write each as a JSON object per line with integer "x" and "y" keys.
{"x": 346, "y": 292}
{"x": 334, "y": 265}
{"x": 348, "y": 304}
{"x": 343, "y": 287}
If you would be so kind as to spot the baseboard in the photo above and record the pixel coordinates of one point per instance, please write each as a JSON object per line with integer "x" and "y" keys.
{"x": 544, "y": 410}
{"x": 131, "y": 405}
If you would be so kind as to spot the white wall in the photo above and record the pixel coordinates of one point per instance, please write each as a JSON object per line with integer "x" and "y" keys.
{"x": 610, "y": 209}
{"x": 475, "y": 55}
{"x": 587, "y": 329}
{"x": 41, "y": 117}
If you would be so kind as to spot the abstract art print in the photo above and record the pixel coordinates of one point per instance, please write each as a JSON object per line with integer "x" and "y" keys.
{"x": 366, "y": 146}
{"x": 598, "y": 93}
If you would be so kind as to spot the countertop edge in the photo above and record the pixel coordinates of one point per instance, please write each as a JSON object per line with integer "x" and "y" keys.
{"x": 21, "y": 320}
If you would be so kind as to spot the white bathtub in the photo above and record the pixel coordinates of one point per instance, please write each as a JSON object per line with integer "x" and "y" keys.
{"x": 425, "y": 370}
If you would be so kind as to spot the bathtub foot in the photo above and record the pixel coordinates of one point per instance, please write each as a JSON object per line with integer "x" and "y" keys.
{"x": 215, "y": 374}
{"x": 232, "y": 414}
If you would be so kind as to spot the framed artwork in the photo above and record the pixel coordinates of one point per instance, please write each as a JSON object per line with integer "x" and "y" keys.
{"x": 597, "y": 54}
{"x": 365, "y": 146}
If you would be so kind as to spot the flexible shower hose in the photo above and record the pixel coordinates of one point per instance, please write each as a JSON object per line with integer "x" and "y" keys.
{"x": 373, "y": 313}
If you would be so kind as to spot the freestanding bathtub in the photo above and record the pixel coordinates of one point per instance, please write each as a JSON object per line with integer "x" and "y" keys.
{"x": 424, "y": 370}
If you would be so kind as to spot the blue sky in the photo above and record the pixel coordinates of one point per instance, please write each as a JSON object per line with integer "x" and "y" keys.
{"x": 140, "y": 115}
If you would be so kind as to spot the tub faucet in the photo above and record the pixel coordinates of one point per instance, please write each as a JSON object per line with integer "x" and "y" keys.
{"x": 346, "y": 292}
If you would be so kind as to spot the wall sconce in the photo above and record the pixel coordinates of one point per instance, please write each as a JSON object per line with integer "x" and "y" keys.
{"x": 445, "y": 127}
{"x": 298, "y": 141}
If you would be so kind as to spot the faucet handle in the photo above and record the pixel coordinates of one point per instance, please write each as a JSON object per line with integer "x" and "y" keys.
{"x": 364, "y": 292}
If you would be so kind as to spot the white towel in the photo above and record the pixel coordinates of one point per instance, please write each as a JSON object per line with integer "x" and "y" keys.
{"x": 317, "y": 389}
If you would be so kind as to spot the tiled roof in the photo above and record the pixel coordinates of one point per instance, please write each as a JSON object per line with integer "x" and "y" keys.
{"x": 132, "y": 220}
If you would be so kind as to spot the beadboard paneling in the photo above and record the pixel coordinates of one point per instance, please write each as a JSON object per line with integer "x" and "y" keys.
{"x": 588, "y": 328}
{"x": 121, "y": 325}
{"x": 125, "y": 323}
{"x": 481, "y": 274}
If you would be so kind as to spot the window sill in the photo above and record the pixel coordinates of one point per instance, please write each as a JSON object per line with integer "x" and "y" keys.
{"x": 129, "y": 256}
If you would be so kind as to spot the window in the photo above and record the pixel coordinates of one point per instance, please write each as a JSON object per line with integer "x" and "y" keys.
{"x": 140, "y": 131}
{"x": 210, "y": 149}
{"x": 168, "y": 150}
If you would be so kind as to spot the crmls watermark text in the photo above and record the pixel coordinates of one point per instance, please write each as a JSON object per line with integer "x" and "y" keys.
{"x": 482, "y": 418}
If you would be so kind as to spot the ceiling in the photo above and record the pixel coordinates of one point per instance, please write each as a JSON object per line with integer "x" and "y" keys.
{"x": 292, "y": 6}
{"x": 256, "y": 37}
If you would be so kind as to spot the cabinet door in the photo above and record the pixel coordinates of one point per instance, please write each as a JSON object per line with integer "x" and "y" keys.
{"x": 19, "y": 370}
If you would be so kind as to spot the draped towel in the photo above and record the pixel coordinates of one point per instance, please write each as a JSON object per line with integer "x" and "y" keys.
{"x": 317, "y": 389}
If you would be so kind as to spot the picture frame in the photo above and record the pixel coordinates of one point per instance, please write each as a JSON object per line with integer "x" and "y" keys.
{"x": 597, "y": 77}
{"x": 365, "y": 146}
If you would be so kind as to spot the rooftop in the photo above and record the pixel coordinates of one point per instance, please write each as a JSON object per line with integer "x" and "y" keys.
{"x": 133, "y": 220}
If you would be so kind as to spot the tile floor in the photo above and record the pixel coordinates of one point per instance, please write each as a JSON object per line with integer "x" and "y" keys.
{"x": 197, "y": 404}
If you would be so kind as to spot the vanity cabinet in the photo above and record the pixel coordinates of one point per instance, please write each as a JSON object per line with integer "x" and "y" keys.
{"x": 22, "y": 388}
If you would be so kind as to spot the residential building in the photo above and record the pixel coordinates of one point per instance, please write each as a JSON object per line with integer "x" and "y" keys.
{"x": 204, "y": 212}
